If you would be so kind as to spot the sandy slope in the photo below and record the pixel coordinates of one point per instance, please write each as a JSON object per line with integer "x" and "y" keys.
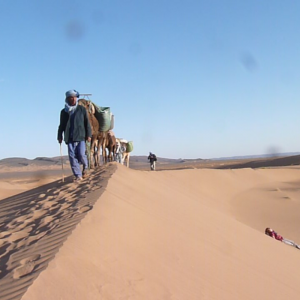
{"x": 34, "y": 224}
{"x": 177, "y": 235}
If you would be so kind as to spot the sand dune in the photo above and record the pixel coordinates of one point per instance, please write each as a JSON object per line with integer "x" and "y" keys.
{"x": 262, "y": 162}
{"x": 188, "y": 234}
{"x": 34, "y": 225}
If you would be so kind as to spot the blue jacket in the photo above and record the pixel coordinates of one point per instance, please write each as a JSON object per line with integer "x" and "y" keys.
{"x": 81, "y": 128}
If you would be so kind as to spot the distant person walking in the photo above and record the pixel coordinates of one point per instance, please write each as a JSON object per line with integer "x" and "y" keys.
{"x": 118, "y": 154}
{"x": 270, "y": 232}
{"x": 75, "y": 126}
{"x": 152, "y": 158}
{"x": 122, "y": 151}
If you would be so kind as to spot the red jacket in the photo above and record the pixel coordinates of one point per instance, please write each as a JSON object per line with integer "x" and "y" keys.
{"x": 276, "y": 236}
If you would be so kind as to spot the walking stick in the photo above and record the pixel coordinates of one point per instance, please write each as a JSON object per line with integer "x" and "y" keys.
{"x": 62, "y": 164}
{"x": 88, "y": 150}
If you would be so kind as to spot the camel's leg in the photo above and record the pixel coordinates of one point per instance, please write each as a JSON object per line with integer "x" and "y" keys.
{"x": 124, "y": 158}
{"x": 88, "y": 152}
{"x": 103, "y": 147}
{"x": 108, "y": 155}
{"x": 107, "y": 151}
{"x": 110, "y": 152}
{"x": 98, "y": 154}
{"x": 114, "y": 153}
{"x": 92, "y": 153}
{"x": 99, "y": 148}
{"x": 94, "y": 149}
{"x": 98, "y": 157}
{"x": 128, "y": 154}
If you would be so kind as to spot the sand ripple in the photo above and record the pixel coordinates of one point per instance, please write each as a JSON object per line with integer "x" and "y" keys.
{"x": 34, "y": 224}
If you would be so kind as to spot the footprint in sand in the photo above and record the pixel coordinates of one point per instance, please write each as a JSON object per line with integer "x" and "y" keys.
{"x": 46, "y": 220}
{"x": 2, "y": 242}
{"x": 15, "y": 236}
{"x": 4, "y": 234}
{"x": 20, "y": 223}
{"x": 46, "y": 225}
{"x": 61, "y": 194}
{"x": 54, "y": 208}
{"x": 7, "y": 249}
{"x": 46, "y": 199}
{"x": 71, "y": 198}
{"x": 38, "y": 213}
{"x": 48, "y": 204}
{"x": 84, "y": 209}
{"x": 39, "y": 233}
{"x": 65, "y": 206}
{"x": 93, "y": 188}
{"x": 27, "y": 266}
{"x": 22, "y": 219}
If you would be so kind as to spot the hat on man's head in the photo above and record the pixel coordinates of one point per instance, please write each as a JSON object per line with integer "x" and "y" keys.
{"x": 72, "y": 93}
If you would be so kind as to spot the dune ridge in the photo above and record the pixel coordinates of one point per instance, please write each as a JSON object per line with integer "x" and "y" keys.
{"x": 34, "y": 225}
{"x": 174, "y": 235}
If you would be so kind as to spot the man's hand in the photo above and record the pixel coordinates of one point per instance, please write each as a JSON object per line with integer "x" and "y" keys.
{"x": 60, "y": 141}
{"x": 89, "y": 139}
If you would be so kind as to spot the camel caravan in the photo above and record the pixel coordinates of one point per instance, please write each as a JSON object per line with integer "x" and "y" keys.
{"x": 103, "y": 138}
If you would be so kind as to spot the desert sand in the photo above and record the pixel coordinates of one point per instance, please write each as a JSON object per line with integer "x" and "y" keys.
{"x": 173, "y": 234}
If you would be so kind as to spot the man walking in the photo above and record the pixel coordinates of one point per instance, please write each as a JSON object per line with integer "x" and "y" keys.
{"x": 75, "y": 125}
{"x": 153, "y": 159}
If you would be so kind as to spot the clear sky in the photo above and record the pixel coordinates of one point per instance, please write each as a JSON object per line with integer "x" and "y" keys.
{"x": 184, "y": 79}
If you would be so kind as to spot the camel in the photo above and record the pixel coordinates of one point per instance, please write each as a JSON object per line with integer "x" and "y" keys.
{"x": 101, "y": 142}
{"x": 110, "y": 145}
{"x": 98, "y": 137}
{"x": 125, "y": 157}
{"x": 125, "y": 154}
{"x": 94, "y": 126}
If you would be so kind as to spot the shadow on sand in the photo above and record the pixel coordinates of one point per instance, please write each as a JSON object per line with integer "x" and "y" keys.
{"x": 34, "y": 224}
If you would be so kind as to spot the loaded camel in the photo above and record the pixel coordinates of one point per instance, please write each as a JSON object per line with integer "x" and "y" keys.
{"x": 98, "y": 140}
{"x": 110, "y": 145}
{"x": 125, "y": 154}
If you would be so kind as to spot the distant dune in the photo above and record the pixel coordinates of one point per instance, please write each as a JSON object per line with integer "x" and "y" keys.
{"x": 17, "y": 164}
{"x": 263, "y": 163}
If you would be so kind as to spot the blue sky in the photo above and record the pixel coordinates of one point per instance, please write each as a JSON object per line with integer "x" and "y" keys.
{"x": 184, "y": 79}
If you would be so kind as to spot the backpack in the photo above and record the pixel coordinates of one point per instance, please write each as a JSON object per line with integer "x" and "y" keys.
{"x": 153, "y": 157}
